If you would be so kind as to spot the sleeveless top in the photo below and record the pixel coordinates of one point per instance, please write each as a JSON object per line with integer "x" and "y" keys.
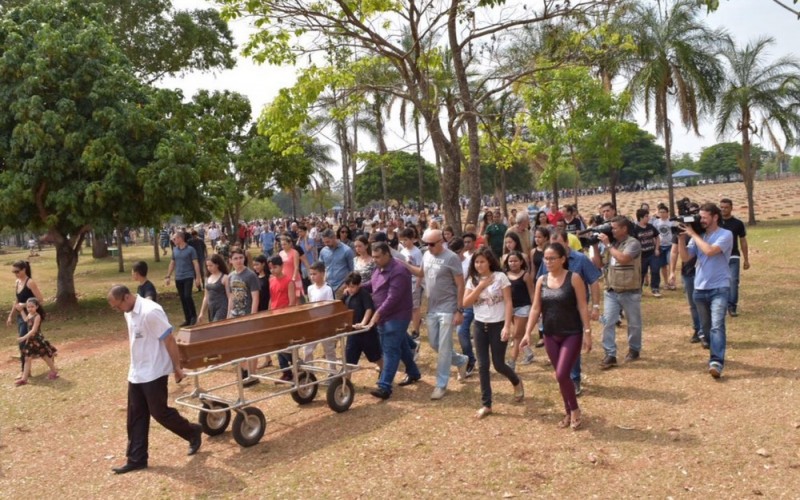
{"x": 560, "y": 315}
{"x": 217, "y": 300}
{"x": 365, "y": 270}
{"x": 538, "y": 255}
{"x": 519, "y": 292}
{"x": 288, "y": 270}
{"x": 24, "y": 294}
{"x": 263, "y": 296}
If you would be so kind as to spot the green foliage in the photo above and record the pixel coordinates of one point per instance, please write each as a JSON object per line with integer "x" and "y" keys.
{"x": 254, "y": 209}
{"x": 402, "y": 181}
{"x": 794, "y": 165}
{"x": 642, "y": 159}
{"x": 519, "y": 178}
{"x": 721, "y": 159}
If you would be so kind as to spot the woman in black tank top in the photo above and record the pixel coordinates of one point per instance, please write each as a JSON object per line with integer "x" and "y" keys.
{"x": 516, "y": 268}
{"x": 560, "y": 297}
{"x": 25, "y": 288}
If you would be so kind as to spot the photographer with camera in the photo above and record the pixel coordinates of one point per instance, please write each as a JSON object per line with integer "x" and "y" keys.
{"x": 712, "y": 278}
{"x": 623, "y": 291}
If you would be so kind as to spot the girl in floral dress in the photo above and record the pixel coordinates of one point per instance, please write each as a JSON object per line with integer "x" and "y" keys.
{"x": 33, "y": 343}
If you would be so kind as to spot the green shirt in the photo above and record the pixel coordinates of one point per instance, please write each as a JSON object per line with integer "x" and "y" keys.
{"x": 495, "y": 234}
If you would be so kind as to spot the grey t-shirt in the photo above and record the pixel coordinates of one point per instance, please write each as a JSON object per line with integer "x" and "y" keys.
{"x": 184, "y": 265}
{"x": 241, "y": 286}
{"x": 440, "y": 280}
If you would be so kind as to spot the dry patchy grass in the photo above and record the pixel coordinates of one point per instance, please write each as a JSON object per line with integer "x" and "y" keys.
{"x": 660, "y": 427}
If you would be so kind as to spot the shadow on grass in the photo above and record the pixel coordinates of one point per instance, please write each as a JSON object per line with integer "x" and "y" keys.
{"x": 762, "y": 344}
{"x": 627, "y": 392}
{"x": 601, "y": 428}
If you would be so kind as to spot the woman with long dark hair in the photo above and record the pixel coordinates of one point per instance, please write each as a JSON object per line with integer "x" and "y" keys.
{"x": 215, "y": 298}
{"x": 25, "y": 288}
{"x": 560, "y": 297}
{"x": 488, "y": 291}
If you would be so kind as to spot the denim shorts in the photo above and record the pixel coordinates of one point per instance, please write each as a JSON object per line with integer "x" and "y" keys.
{"x": 522, "y": 311}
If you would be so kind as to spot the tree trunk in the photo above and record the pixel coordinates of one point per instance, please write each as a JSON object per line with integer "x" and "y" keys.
{"x": 555, "y": 189}
{"x": 382, "y": 149}
{"x": 503, "y": 204}
{"x": 353, "y": 163}
{"x": 613, "y": 179}
{"x": 420, "y": 164}
{"x": 668, "y": 150}
{"x": 67, "y": 261}
{"x": 470, "y": 117}
{"x": 156, "y": 239}
{"x": 99, "y": 246}
{"x": 120, "y": 244}
{"x": 748, "y": 173}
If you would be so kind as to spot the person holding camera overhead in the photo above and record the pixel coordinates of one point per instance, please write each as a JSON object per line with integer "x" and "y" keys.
{"x": 623, "y": 291}
{"x": 712, "y": 278}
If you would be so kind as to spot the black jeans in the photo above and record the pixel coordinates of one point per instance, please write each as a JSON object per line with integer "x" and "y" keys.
{"x": 487, "y": 338}
{"x": 146, "y": 400}
{"x": 185, "y": 288}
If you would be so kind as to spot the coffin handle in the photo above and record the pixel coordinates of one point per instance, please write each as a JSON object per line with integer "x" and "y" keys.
{"x": 297, "y": 341}
{"x": 211, "y": 359}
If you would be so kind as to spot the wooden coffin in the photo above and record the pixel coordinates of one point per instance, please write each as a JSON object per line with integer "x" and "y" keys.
{"x": 260, "y": 333}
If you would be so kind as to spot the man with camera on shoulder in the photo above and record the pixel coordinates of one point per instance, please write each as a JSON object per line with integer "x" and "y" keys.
{"x": 623, "y": 291}
{"x": 712, "y": 278}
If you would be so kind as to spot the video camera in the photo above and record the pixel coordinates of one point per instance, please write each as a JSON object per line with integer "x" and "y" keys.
{"x": 688, "y": 214}
{"x": 589, "y": 236}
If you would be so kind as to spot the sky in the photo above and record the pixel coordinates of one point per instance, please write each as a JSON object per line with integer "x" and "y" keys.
{"x": 745, "y": 20}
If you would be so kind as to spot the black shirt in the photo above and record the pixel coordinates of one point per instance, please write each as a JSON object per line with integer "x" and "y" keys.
{"x": 735, "y": 226}
{"x": 359, "y": 304}
{"x": 147, "y": 291}
{"x": 648, "y": 238}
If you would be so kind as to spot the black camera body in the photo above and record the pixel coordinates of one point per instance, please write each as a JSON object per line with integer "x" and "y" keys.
{"x": 589, "y": 236}
{"x": 689, "y": 215}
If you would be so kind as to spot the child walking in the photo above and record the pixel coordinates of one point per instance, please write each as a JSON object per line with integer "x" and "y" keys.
{"x": 33, "y": 343}
{"x": 368, "y": 343}
{"x": 317, "y": 292}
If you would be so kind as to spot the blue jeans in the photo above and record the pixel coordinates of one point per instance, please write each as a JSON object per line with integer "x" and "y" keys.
{"x": 733, "y": 294}
{"x": 395, "y": 348}
{"x": 712, "y": 305}
{"x": 464, "y": 335}
{"x": 631, "y": 303}
{"x": 688, "y": 286}
{"x": 440, "y": 336}
{"x": 653, "y": 264}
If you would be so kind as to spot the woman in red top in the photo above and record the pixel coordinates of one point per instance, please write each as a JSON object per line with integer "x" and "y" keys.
{"x": 291, "y": 264}
{"x": 281, "y": 286}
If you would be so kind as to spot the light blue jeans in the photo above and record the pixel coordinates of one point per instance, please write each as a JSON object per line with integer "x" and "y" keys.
{"x": 440, "y": 336}
{"x": 688, "y": 286}
{"x": 631, "y": 303}
{"x": 712, "y": 305}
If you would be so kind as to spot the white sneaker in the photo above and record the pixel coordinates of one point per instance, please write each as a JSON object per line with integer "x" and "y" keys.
{"x": 438, "y": 393}
{"x": 462, "y": 372}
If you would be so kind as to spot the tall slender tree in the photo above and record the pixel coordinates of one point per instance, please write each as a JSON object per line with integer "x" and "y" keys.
{"x": 754, "y": 88}
{"x": 676, "y": 62}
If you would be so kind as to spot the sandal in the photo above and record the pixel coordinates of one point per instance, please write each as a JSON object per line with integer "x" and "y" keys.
{"x": 540, "y": 343}
{"x": 21, "y": 381}
{"x": 565, "y": 422}
{"x": 52, "y": 375}
{"x": 576, "y": 422}
{"x": 483, "y": 412}
{"x": 519, "y": 392}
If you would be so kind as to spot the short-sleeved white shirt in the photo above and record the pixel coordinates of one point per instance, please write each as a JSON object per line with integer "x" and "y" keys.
{"x": 147, "y": 327}
{"x": 320, "y": 293}
{"x": 491, "y": 306}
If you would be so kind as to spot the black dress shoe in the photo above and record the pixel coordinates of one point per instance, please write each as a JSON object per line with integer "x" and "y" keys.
{"x": 381, "y": 393}
{"x": 197, "y": 439}
{"x": 408, "y": 381}
{"x": 128, "y": 467}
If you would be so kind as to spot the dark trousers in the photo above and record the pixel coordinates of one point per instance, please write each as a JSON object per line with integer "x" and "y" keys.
{"x": 22, "y": 330}
{"x": 487, "y": 338}
{"x": 563, "y": 352}
{"x": 146, "y": 400}
{"x": 187, "y": 303}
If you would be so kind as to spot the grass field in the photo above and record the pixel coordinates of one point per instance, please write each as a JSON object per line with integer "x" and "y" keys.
{"x": 660, "y": 427}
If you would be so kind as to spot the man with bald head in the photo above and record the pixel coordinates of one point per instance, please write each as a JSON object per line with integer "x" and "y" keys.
{"x": 444, "y": 283}
{"x": 154, "y": 355}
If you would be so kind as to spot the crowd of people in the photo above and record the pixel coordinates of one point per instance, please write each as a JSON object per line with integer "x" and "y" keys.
{"x": 506, "y": 286}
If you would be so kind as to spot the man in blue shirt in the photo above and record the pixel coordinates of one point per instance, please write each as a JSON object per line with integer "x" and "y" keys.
{"x": 267, "y": 238}
{"x": 581, "y": 265}
{"x": 712, "y": 279}
{"x": 338, "y": 260}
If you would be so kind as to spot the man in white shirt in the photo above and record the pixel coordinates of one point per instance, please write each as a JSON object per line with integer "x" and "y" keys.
{"x": 154, "y": 355}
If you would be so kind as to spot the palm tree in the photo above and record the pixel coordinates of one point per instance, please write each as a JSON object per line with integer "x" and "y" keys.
{"x": 756, "y": 87}
{"x": 676, "y": 61}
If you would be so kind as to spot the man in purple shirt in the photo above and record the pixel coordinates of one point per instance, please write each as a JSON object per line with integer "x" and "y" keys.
{"x": 390, "y": 287}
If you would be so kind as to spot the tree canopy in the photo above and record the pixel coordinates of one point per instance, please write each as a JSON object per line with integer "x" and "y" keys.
{"x": 401, "y": 184}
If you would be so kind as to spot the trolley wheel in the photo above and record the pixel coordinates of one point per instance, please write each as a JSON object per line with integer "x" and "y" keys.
{"x": 215, "y": 423}
{"x": 340, "y": 395}
{"x": 249, "y": 425}
{"x": 305, "y": 395}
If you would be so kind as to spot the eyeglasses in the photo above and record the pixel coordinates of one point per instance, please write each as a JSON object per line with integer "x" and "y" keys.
{"x": 15, "y": 271}
{"x": 551, "y": 259}
{"x": 432, "y": 243}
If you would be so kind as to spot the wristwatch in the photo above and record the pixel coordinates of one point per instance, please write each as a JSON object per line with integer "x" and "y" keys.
{"x": 460, "y": 310}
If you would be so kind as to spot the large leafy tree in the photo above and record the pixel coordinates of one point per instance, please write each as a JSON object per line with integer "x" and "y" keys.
{"x": 159, "y": 40}
{"x": 82, "y": 142}
{"x": 758, "y": 91}
{"x": 676, "y": 62}
{"x": 401, "y": 185}
{"x": 720, "y": 159}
